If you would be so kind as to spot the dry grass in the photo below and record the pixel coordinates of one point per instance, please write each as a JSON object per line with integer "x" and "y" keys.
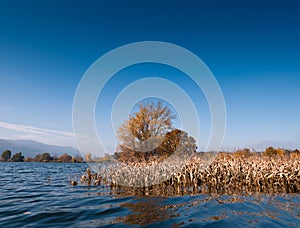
{"x": 237, "y": 173}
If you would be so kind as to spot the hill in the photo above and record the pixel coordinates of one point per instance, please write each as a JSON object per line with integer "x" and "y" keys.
{"x": 31, "y": 148}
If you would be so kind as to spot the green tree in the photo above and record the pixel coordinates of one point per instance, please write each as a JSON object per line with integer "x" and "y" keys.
{"x": 6, "y": 155}
{"x": 18, "y": 157}
{"x": 46, "y": 157}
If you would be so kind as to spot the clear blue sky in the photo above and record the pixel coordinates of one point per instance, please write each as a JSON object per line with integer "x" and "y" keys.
{"x": 252, "y": 47}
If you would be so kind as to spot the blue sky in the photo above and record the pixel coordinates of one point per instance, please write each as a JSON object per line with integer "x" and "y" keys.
{"x": 252, "y": 47}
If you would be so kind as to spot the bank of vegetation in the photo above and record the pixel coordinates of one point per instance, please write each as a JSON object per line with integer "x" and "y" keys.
{"x": 6, "y": 156}
{"x": 154, "y": 158}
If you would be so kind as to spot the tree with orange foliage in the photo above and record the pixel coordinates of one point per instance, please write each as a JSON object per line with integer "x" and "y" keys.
{"x": 65, "y": 158}
{"x": 280, "y": 152}
{"x": 148, "y": 135}
{"x": 145, "y": 129}
{"x": 242, "y": 153}
{"x": 270, "y": 151}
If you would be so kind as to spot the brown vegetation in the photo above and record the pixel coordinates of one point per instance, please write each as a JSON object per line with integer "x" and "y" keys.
{"x": 167, "y": 148}
{"x": 145, "y": 129}
{"x": 229, "y": 173}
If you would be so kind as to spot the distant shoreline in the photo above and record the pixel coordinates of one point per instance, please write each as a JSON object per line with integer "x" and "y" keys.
{"x": 6, "y": 156}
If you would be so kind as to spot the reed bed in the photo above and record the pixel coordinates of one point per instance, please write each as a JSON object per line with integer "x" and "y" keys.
{"x": 226, "y": 174}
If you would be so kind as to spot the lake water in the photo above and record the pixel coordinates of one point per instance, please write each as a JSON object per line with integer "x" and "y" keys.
{"x": 39, "y": 195}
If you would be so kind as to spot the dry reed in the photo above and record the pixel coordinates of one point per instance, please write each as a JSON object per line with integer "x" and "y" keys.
{"x": 227, "y": 174}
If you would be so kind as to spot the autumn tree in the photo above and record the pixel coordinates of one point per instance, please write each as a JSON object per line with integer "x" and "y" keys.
{"x": 148, "y": 136}
{"x": 38, "y": 158}
{"x": 296, "y": 151}
{"x": 242, "y": 153}
{"x": 146, "y": 128}
{"x": 65, "y": 158}
{"x": 271, "y": 152}
{"x": 29, "y": 159}
{"x": 6, "y": 155}
{"x": 280, "y": 152}
{"x": 295, "y": 154}
{"x": 77, "y": 159}
{"x": 45, "y": 157}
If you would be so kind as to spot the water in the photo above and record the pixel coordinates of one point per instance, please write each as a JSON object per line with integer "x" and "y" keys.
{"x": 39, "y": 195}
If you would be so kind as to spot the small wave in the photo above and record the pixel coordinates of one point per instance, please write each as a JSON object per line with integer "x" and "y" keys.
{"x": 31, "y": 202}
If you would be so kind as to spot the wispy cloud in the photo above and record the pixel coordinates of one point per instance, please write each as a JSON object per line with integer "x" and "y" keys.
{"x": 30, "y": 129}
{"x": 16, "y": 131}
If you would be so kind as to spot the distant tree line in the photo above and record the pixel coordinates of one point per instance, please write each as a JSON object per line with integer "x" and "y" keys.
{"x": 269, "y": 152}
{"x": 6, "y": 156}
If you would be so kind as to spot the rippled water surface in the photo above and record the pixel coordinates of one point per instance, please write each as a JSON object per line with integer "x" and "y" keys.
{"x": 39, "y": 195}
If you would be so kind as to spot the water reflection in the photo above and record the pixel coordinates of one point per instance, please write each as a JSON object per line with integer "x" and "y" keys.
{"x": 149, "y": 210}
{"x": 30, "y": 198}
{"x": 204, "y": 209}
